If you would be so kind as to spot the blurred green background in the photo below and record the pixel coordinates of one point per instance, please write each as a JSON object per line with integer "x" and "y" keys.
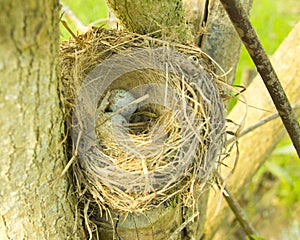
{"x": 273, "y": 201}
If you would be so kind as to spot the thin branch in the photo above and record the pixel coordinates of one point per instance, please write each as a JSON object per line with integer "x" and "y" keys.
{"x": 74, "y": 19}
{"x": 295, "y": 106}
{"x": 251, "y": 41}
{"x": 64, "y": 23}
{"x": 182, "y": 226}
{"x": 236, "y": 208}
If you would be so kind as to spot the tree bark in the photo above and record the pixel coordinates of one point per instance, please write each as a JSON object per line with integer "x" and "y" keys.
{"x": 256, "y": 146}
{"x": 31, "y": 123}
{"x": 165, "y": 17}
{"x": 219, "y": 38}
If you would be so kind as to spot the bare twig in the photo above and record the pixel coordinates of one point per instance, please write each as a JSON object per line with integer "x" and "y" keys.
{"x": 295, "y": 106}
{"x": 74, "y": 19}
{"x": 182, "y": 226}
{"x": 73, "y": 34}
{"x": 251, "y": 41}
{"x": 236, "y": 208}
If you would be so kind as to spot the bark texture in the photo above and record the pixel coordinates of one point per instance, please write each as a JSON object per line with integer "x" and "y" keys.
{"x": 168, "y": 221}
{"x": 149, "y": 16}
{"x": 158, "y": 223}
{"x": 31, "y": 124}
{"x": 218, "y": 38}
{"x": 257, "y": 145}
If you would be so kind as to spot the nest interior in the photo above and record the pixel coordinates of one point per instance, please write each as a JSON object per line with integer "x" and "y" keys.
{"x": 166, "y": 140}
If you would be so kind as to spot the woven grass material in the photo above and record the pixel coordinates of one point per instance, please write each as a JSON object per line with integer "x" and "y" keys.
{"x": 172, "y": 141}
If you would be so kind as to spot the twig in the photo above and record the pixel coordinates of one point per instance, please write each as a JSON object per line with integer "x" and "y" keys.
{"x": 73, "y": 18}
{"x": 263, "y": 121}
{"x": 73, "y": 34}
{"x": 244, "y": 28}
{"x": 176, "y": 233}
{"x": 66, "y": 168}
{"x": 236, "y": 208}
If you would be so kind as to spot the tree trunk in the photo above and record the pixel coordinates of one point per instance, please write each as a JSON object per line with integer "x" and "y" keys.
{"x": 256, "y": 146}
{"x": 32, "y": 153}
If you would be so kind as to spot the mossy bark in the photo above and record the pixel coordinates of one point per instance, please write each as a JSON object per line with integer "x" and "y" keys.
{"x": 158, "y": 223}
{"x": 31, "y": 124}
{"x": 164, "y": 17}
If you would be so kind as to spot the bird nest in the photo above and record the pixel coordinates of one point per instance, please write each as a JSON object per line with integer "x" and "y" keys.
{"x": 146, "y": 117}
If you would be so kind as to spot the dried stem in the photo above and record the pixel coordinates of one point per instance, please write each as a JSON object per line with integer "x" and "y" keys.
{"x": 251, "y": 41}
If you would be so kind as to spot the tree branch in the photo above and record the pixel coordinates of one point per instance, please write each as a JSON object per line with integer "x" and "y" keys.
{"x": 257, "y": 145}
{"x": 251, "y": 41}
